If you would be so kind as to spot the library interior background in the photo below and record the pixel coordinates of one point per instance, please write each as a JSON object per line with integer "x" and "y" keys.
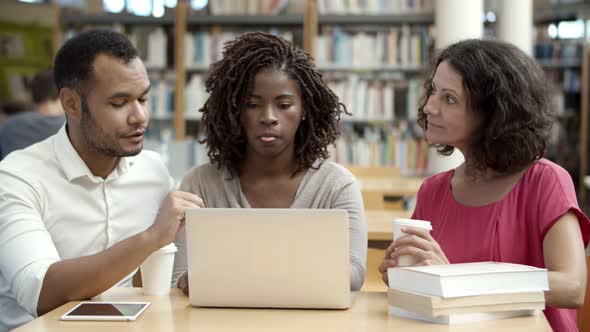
{"x": 372, "y": 53}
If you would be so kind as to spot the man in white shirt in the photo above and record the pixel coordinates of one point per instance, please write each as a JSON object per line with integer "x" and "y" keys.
{"x": 81, "y": 210}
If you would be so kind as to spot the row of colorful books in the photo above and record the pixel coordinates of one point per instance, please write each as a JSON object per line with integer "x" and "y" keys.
{"x": 373, "y": 7}
{"x": 256, "y": 7}
{"x": 367, "y": 99}
{"x": 395, "y": 149}
{"x": 566, "y": 80}
{"x": 204, "y": 47}
{"x": 408, "y": 154}
{"x": 403, "y": 46}
{"x": 179, "y": 156}
{"x": 564, "y": 51}
{"x": 370, "y": 99}
{"x": 161, "y": 97}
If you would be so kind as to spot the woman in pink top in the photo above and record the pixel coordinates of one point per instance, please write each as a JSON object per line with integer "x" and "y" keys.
{"x": 505, "y": 202}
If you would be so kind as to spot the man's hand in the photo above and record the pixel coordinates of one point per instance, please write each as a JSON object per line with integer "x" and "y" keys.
{"x": 68, "y": 280}
{"x": 171, "y": 216}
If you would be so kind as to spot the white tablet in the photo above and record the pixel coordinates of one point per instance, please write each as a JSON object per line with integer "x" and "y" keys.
{"x": 125, "y": 311}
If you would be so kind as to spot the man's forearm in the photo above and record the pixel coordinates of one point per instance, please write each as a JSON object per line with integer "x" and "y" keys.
{"x": 85, "y": 277}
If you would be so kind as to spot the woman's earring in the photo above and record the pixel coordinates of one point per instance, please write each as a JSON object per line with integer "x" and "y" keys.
{"x": 303, "y": 118}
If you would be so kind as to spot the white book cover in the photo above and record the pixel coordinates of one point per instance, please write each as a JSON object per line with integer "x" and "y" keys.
{"x": 346, "y": 94}
{"x": 372, "y": 7}
{"x": 357, "y": 50}
{"x": 466, "y": 279}
{"x": 200, "y": 150}
{"x": 195, "y": 97}
{"x": 371, "y": 51}
{"x": 355, "y": 7}
{"x": 404, "y": 46}
{"x": 397, "y": 7}
{"x": 388, "y": 101}
{"x": 207, "y": 52}
{"x": 215, "y": 7}
{"x": 353, "y": 86}
{"x": 413, "y": 100}
{"x": 371, "y": 102}
{"x": 380, "y": 42}
{"x": 241, "y": 7}
{"x": 393, "y": 47}
{"x": 361, "y": 106}
{"x": 252, "y": 7}
{"x": 156, "y": 56}
{"x": 339, "y": 7}
{"x": 322, "y": 10}
{"x": 189, "y": 50}
{"x": 339, "y": 153}
{"x": 162, "y": 96}
{"x": 461, "y": 318}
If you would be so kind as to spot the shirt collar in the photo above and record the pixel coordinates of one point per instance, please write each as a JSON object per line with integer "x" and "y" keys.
{"x": 73, "y": 165}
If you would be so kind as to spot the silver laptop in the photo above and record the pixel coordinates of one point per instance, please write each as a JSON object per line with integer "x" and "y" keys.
{"x": 268, "y": 258}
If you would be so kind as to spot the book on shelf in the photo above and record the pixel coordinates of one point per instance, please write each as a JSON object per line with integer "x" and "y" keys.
{"x": 161, "y": 97}
{"x": 402, "y": 151}
{"x": 461, "y": 318}
{"x": 373, "y": 7}
{"x": 205, "y": 47}
{"x": 150, "y": 42}
{"x": 196, "y": 95}
{"x": 468, "y": 279}
{"x": 255, "y": 7}
{"x": 393, "y": 47}
{"x": 377, "y": 99}
{"x": 179, "y": 156}
{"x": 559, "y": 51}
{"x": 152, "y": 45}
{"x": 437, "y": 305}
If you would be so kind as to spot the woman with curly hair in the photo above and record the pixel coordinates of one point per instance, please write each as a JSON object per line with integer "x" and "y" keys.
{"x": 269, "y": 120}
{"x": 505, "y": 203}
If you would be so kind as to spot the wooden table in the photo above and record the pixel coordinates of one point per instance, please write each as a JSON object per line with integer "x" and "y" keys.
{"x": 173, "y": 313}
{"x": 379, "y": 223}
{"x": 399, "y": 186}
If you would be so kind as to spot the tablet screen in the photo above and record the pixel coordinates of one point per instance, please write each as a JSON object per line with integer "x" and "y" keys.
{"x": 107, "y": 309}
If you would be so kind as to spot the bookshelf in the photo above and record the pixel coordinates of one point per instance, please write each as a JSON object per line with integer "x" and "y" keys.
{"x": 375, "y": 64}
{"x": 315, "y": 23}
{"x": 178, "y": 82}
{"x": 565, "y": 62}
{"x": 584, "y": 117}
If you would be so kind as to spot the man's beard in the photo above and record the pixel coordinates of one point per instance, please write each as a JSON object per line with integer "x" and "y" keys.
{"x": 97, "y": 140}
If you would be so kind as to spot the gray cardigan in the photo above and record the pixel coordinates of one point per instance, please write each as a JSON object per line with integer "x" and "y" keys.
{"x": 331, "y": 186}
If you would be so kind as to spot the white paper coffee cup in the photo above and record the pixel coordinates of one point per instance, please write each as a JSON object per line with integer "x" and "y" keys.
{"x": 156, "y": 271}
{"x": 398, "y": 223}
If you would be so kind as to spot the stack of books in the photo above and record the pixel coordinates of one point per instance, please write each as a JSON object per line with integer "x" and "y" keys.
{"x": 464, "y": 293}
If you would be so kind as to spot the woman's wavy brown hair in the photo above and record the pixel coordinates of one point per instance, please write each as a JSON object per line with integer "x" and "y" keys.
{"x": 230, "y": 82}
{"x": 508, "y": 89}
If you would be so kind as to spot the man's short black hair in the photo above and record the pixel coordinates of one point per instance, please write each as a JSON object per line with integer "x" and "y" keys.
{"x": 43, "y": 87}
{"x": 73, "y": 62}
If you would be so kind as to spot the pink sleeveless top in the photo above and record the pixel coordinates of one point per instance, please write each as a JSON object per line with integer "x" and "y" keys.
{"x": 509, "y": 230}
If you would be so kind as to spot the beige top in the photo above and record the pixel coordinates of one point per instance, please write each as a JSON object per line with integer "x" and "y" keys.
{"x": 174, "y": 313}
{"x": 330, "y": 186}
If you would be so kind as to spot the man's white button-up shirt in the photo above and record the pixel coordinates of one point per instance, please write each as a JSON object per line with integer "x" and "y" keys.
{"x": 52, "y": 207}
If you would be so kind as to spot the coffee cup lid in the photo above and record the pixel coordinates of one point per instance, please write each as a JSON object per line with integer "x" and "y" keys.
{"x": 413, "y": 223}
{"x": 168, "y": 248}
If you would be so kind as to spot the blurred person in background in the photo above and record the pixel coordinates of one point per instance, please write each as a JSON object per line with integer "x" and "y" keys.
{"x": 29, "y": 127}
